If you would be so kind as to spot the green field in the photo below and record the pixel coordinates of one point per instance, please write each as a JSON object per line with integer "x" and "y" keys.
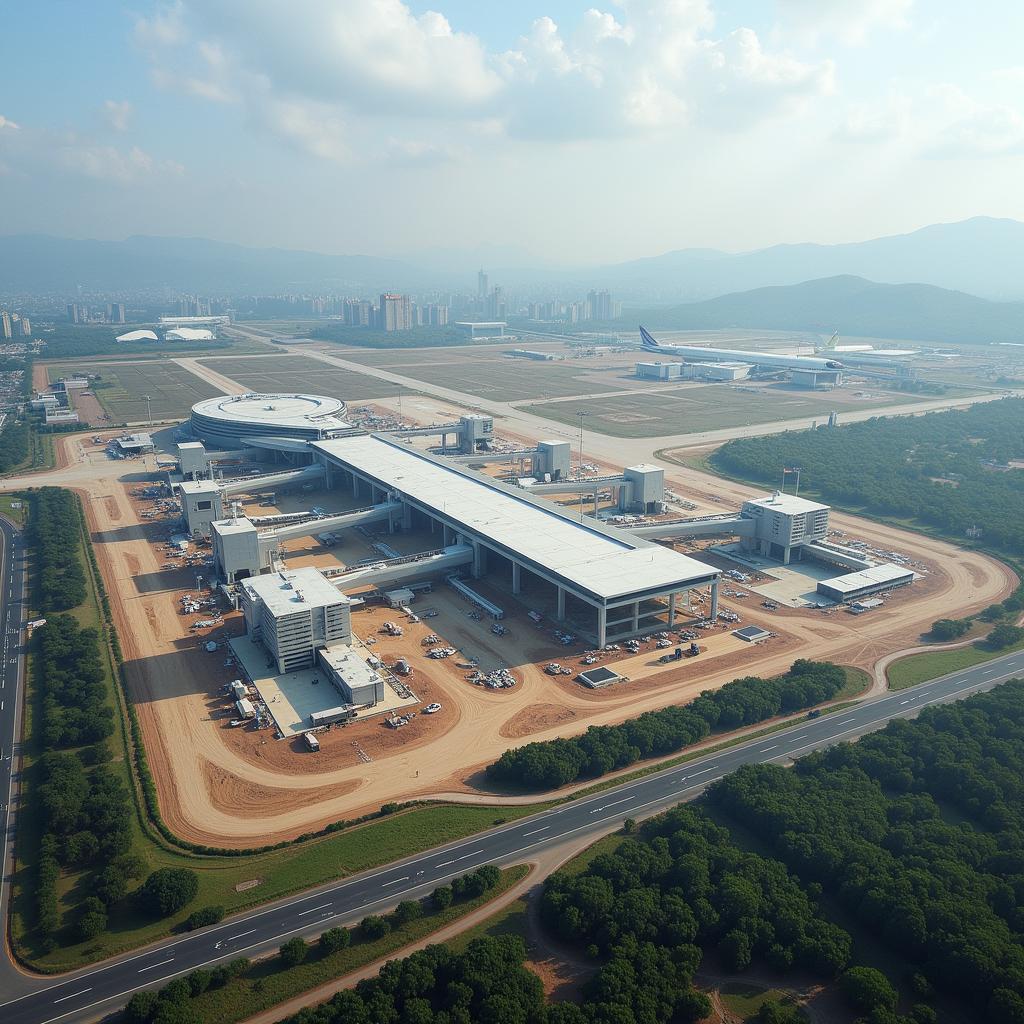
{"x": 487, "y": 372}
{"x": 302, "y": 374}
{"x": 691, "y": 410}
{"x": 919, "y": 668}
{"x": 172, "y": 389}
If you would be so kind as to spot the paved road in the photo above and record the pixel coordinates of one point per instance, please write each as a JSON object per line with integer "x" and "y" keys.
{"x": 86, "y": 994}
{"x": 12, "y": 614}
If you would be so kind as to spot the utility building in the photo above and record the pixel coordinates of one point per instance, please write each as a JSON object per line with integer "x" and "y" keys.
{"x": 294, "y": 614}
{"x": 784, "y": 523}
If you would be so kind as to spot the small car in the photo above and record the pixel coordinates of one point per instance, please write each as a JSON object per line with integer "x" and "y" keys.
{"x": 431, "y": 709}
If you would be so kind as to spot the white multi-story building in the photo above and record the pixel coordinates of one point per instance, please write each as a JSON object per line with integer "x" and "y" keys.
{"x": 295, "y": 613}
{"x": 784, "y": 523}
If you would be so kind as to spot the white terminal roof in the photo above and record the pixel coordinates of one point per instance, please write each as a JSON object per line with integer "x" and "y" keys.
{"x": 591, "y": 557}
{"x": 294, "y": 590}
{"x": 789, "y": 504}
{"x": 853, "y": 581}
{"x": 137, "y": 336}
{"x": 275, "y": 410}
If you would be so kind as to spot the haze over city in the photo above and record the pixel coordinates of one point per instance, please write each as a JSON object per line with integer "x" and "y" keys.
{"x": 539, "y": 133}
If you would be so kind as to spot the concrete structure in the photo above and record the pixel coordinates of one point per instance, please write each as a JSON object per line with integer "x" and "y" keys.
{"x": 856, "y": 585}
{"x": 358, "y": 683}
{"x": 636, "y": 489}
{"x": 471, "y": 432}
{"x": 395, "y": 312}
{"x": 54, "y": 416}
{"x": 193, "y": 462}
{"x": 201, "y": 504}
{"x": 717, "y": 371}
{"x": 236, "y": 548}
{"x": 615, "y": 582}
{"x": 133, "y": 444}
{"x": 659, "y": 371}
{"x": 230, "y": 420}
{"x": 525, "y": 353}
{"x": 482, "y": 328}
{"x": 142, "y": 335}
{"x": 784, "y": 524}
{"x": 189, "y": 334}
{"x": 294, "y": 614}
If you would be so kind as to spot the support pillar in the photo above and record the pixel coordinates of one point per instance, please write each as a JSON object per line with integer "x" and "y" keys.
{"x": 406, "y": 516}
{"x": 785, "y": 554}
{"x": 602, "y": 627}
{"x": 671, "y": 610}
{"x": 560, "y": 611}
{"x": 636, "y": 616}
{"x": 597, "y": 491}
{"x": 479, "y": 560}
{"x": 448, "y": 535}
{"x": 516, "y": 581}
{"x": 714, "y": 600}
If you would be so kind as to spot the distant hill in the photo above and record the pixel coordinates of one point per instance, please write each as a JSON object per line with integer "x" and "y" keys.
{"x": 42, "y": 263}
{"x": 982, "y": 256}
{"x": 854, "y": 307}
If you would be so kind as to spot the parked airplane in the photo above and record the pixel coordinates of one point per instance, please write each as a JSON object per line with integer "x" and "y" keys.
{"x": 697, "y": 353}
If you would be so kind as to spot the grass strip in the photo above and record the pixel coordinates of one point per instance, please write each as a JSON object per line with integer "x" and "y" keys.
{"x": 268, "y": 982}
{"x": 919, "y": 668}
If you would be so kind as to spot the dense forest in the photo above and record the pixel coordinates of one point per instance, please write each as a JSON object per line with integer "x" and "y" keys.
{"x": 15, "y": 435}
{"x": 946, "y": 470}
{"x": 918, "y": 832}
{"x": 55, "y": 535}
{"x": 67, "y": 341}
{"x": 604, "y": 748}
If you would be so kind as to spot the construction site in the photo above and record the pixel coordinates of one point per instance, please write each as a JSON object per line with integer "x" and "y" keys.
{"x": 327, "y": 608}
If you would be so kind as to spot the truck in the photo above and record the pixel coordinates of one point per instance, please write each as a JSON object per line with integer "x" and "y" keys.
{"x": 676, "y": 655}
{"x": 311, "y": 741}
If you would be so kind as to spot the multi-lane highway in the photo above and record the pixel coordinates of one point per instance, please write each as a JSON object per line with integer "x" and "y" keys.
{"x": 86, "y": 994}
{"x": 12, "y": 615}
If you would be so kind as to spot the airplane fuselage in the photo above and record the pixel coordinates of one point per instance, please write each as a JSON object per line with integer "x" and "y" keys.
{"x": 699, "y": 354}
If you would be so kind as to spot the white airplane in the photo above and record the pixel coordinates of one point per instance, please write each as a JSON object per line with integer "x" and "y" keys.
{"x": 696, "y": 353}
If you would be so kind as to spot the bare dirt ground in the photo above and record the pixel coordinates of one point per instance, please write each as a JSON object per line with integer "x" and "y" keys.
{"x": 231, "y": 787}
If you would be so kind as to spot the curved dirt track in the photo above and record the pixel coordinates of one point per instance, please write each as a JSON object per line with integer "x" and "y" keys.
{"x": 212, "y": 791}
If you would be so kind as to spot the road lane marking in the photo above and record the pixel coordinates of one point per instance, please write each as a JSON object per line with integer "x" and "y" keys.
{"x": 534, "y": 832}
{"x": 73, "y": 994}
{"x": 764, "y": 750}
{"x": 240, "y": 935}
{"x": 394, "y": 881}
{"x": 466, "y": 856}
{"x": 624, "y": 800}
{"x": 151, "y": 966}
{"x": 314, "y": 909}
{"x": 444, "y": 864}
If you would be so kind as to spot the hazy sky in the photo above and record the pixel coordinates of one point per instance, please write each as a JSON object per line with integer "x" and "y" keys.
{"x": 575, "y": 133}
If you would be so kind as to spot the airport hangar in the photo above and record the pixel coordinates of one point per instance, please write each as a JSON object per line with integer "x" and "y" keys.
{"x": 609, "y": 582}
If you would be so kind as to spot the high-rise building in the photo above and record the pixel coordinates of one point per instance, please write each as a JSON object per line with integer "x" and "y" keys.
{"x": 496, "y": 306}
{"x": 481, "y": 284}
{"x": 5, "y": 325}
{"x": 395, "y": 312}
{"x": 600, "y": 305}
{"x": 435, "y": 315}
{"x": 73, "y": 313}
{"x": 357, "y": 312}
{"x": 115, "y": 312}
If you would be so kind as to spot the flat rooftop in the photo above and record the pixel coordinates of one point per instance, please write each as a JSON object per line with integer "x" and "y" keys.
{"x": 344, "y": 660}
{"x": 291, "y": 698}
{"x": 877, "y": 574}
{"x": 789, "y": 504}
{"x": 591, "y": 557}
{"x": 294, "y": 590}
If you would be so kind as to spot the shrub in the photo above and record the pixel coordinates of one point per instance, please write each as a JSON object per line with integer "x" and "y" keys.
{"x": 293, "y": 952}
{"x": 139, "y": 1008}
{"x": 1005, "y": 635}
{"x": 203, "y": 917}
{"x": 442, "y": 897}
{"x": 374, "y": 927}
{"x": 335, "y": 939}
{"x": 950, "y": 629}
{"x": 168, "y": 890}
{"x": 407, "y": 910}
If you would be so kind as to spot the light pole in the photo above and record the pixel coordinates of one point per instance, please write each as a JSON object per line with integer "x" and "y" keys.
{"x": 581, "y": 413}
{"x": 149, "y": 410}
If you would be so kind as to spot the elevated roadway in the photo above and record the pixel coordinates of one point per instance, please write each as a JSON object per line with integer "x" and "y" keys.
{"x": 91, "y": 992}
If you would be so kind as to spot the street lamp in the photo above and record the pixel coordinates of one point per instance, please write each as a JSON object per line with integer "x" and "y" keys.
{"x": 581, "y": 413}
{"x": 149, "y": 410}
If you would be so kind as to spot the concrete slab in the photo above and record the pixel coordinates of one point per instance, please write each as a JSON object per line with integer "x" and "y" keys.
{"x": 292, "y": 697}
{"x": 794, "y": 585}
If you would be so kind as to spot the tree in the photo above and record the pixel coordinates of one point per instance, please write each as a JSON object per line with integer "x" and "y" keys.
{"x": 335, "y": 939}
{"x": 442, "y": 897}
{"x": 868, "y": 989}
{"x": 374, "y": 927}
{"x": 407, "y": 910}
{"x": 140, "y": 1007}
{"x": 1005, "y": 635}
{"x": 167, "y": 890}
{"x": 293, "y": 952}
{"x": 950, "y": 629}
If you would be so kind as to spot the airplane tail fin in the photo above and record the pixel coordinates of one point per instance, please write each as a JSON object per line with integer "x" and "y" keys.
{"x": 648, "y": 341}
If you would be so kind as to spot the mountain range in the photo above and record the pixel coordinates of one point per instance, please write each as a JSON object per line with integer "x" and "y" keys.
{"x": 855, "y": 307}
{"x": 982, "y": 256}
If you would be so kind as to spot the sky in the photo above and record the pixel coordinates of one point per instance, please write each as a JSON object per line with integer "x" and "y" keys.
{"x": 556, "y": 132}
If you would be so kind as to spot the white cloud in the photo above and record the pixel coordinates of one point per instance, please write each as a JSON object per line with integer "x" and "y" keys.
{"x": 876, "y": 124}
{"x": 117, "y": 114}
{"x": 851, "y": 21}
{"x": 348, "y": 65}
{"x": 165, "y": 28}
{"x": 7, "y": 124}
